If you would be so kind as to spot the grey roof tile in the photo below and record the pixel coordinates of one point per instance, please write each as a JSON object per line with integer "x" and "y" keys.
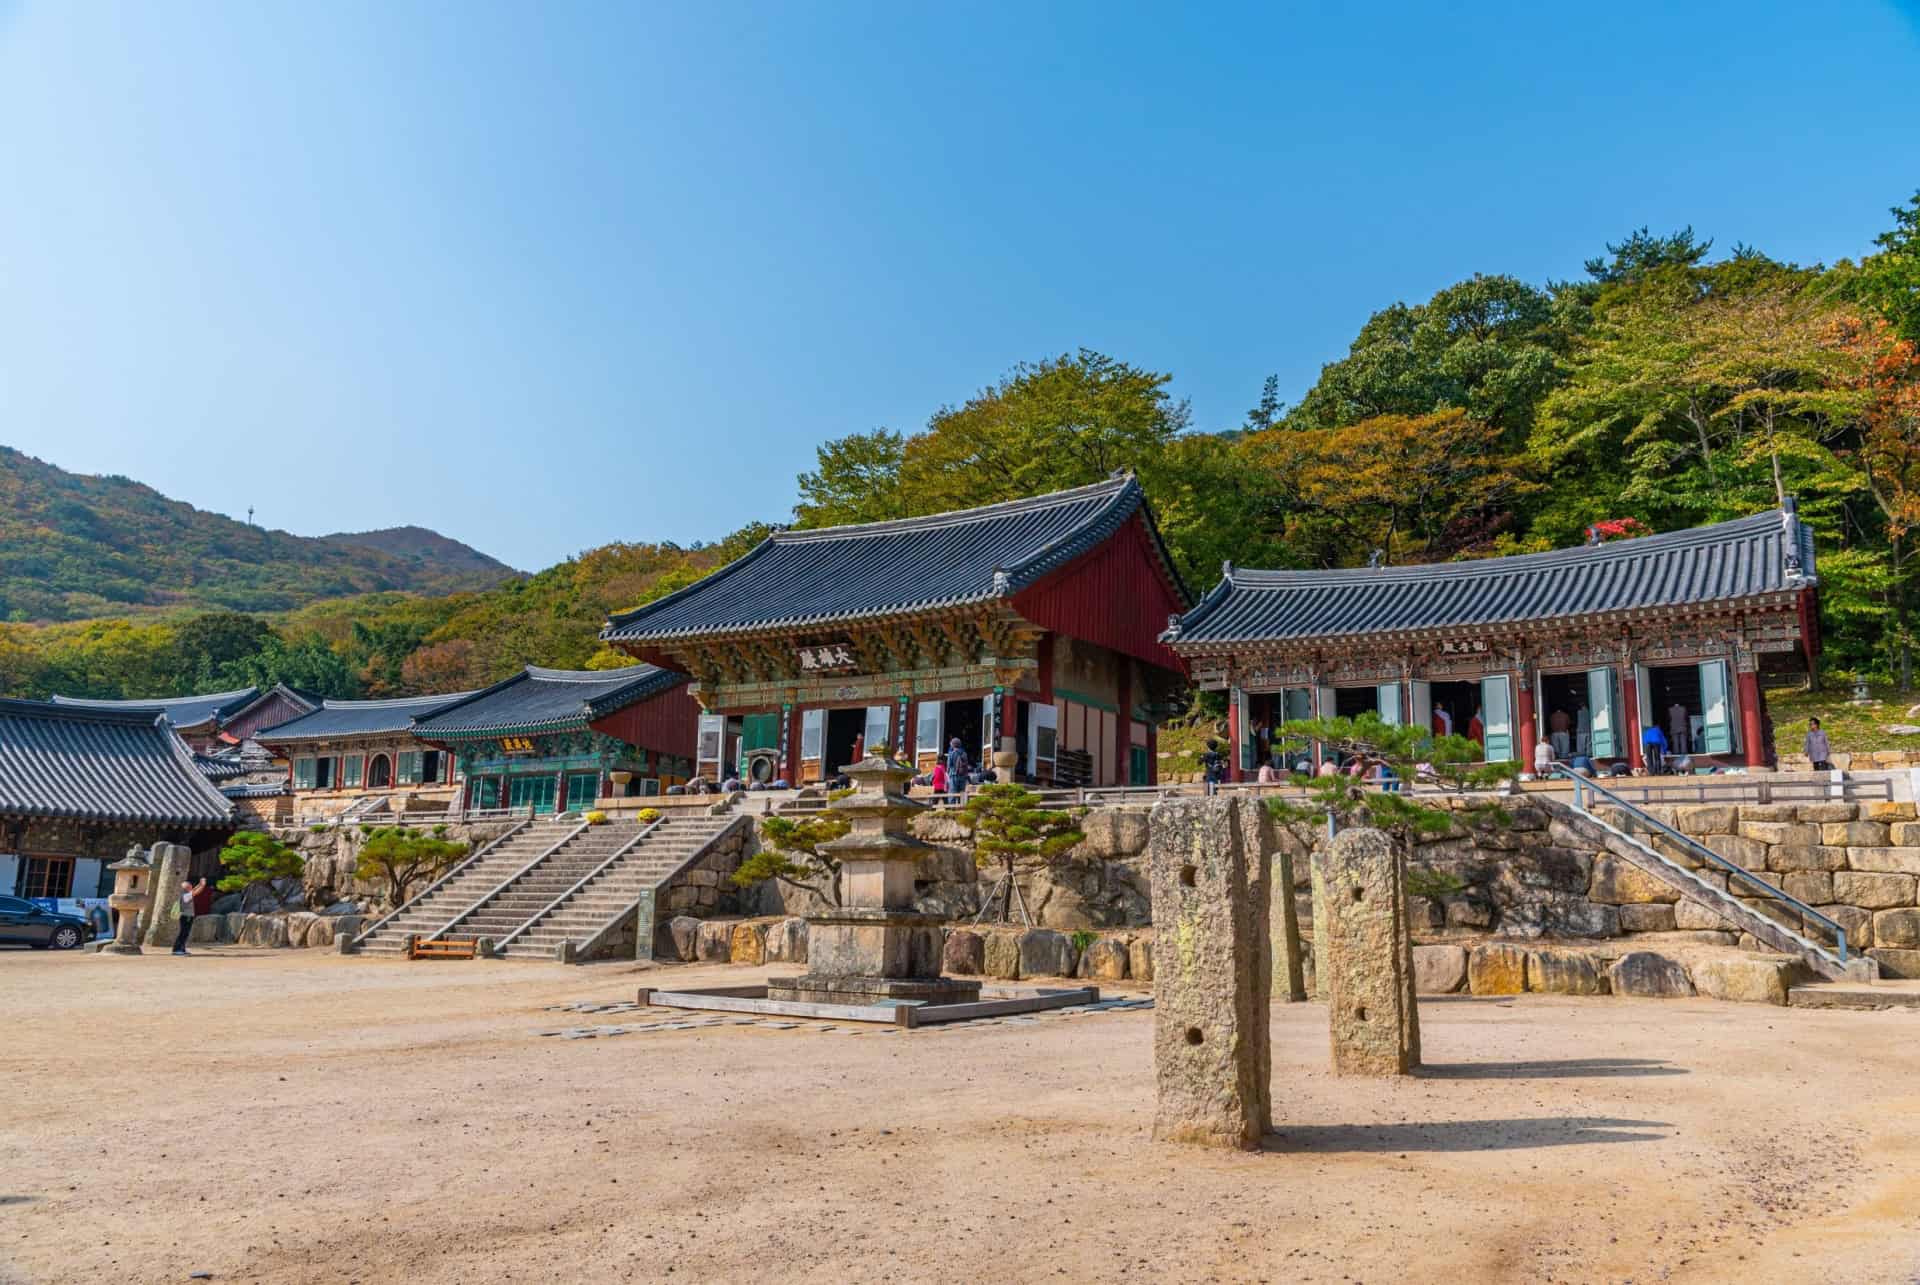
{"x": 110, "y": 765}
{"x": 359, "y": 718}
{"x": 1767, "y": 553}
{"x": 547, "y": 700}
{"x": 181, "y": 711}
{"x": 808, "y": 578}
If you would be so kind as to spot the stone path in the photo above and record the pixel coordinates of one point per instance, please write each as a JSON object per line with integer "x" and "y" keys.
{"x": 680, "y": 1019}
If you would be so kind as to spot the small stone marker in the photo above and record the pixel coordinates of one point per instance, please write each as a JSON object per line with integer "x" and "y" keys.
{"x": 1212, "y": 973}
{"x": 1367, "y": 955}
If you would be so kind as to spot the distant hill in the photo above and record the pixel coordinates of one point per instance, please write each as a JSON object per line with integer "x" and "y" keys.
{"x": 73, "y": 547}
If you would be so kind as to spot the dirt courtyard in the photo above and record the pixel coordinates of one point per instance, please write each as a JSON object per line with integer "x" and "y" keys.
{"x": 300, "y": 1116}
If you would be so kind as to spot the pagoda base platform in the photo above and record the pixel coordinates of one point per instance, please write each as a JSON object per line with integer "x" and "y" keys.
{"x": 909, "y": 1013}
{"x": 820, "y": 988}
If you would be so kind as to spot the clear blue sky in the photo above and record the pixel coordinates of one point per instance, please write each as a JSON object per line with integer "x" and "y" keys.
{"x": 545, "y": 276}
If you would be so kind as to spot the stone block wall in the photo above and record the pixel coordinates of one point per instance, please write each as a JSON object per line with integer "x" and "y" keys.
{"x": 704, "y": 890}
{"x": 332, "y": 852}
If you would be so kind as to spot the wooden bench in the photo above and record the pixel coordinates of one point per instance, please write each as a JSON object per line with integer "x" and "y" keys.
{"x": 444, "y": 948}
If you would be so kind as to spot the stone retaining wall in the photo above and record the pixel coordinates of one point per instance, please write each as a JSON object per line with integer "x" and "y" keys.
{"x": 332, "y": 852}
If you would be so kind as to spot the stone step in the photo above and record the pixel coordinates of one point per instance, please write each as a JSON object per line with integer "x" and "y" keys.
{"x": 1856, "y": 995}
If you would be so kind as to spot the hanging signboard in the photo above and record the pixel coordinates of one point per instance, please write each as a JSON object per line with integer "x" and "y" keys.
{"x": 827, "y": 658}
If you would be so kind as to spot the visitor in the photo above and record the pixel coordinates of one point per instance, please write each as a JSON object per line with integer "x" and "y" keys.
{"x": 1357, "y": 766}
{"x": 1679, "y": 729}
{"x": 1442, "y": 721}
{"x": 1213, "y": 765}
{"x": 699, "y": 785}
{"x": 1817, "y": 746}
{"x": 1327, "y": 767}
{"x": 1543, "y": 756}
{"x": 1387, "y": 778}
{"x": 1653, "y": 748}
{"x": 731, "y": 785}
{"x": 188, "y": 891}
{"x": 1267, "y": 775}
{"x": 1560, "y": 733}
{"x": 939, "y": 781}
{"x": 957, "y": 763}
{"x": 1583, "y": 729}
{"x": 1476, "y": 730}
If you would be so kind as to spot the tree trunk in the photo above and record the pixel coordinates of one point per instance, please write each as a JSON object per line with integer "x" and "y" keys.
{"x": 1006, "y": 897}
{"x": 1900, "y": 612}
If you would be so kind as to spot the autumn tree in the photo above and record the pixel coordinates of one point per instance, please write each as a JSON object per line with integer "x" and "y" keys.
{"x": 1408, "y": 486}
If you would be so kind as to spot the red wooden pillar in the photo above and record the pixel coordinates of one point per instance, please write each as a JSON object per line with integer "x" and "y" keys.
{"x": 790, "y": 768}
{"x": 1751, "y": 734}
{"x": 1234, "y": 733}
{"x": 1123, "y": 726}
{"x": 1529, "y": 731}
{"x": 1630, "y": 690}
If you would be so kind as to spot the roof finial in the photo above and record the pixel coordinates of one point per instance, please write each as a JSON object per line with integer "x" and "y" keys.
{"x": 1226, "y": 569}
{"x": 1375, "y": 559}
{"x": 1173, "y": 626}
{"x": 1002, "y": 582}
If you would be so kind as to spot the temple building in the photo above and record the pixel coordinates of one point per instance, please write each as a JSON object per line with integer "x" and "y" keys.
{"x": 558, "y": 739}
{"x": 1030, "y": 627}
{"x": 1585, "y": 647}
{"x": 80, "y": 785}
{"x": 215, "y": 719}
{"x": 346, "y": 751}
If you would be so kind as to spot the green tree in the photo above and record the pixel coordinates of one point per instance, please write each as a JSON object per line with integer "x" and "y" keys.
{"x": 401, "y": 856}
{"x": 795, "y": 853}
{"x": 1011, "y": 829}
{"x": 212, "y": 648}
{"x": 252, "y": 860}
{"x": 1489, "y": 346}
{"x": 857, "y": 480}
{"x": 1412, "y": 754}
{"x": 307, "y": 664}
{"x": 1890, "y": 281}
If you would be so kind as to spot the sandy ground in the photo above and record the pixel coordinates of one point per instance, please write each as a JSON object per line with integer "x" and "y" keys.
{"x": 298, "y": 1116}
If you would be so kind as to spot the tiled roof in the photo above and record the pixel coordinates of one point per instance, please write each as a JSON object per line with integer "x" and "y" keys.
{"x": 358, "y": 718}
{"x": 220, "y": 767}
{"x": 267, "y": 790}
{"x": 812, "y": 578}
{"x": 547, "y": 700}
{"x": 181, "y": 711}
{"x": 1765, "y": 554}
{"x": 111, "y": 765}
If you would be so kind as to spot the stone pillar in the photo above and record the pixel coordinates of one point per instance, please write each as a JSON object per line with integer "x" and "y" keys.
{"x": 161, "y": 919}
{"x": 1317, "y": 883}
{"x": 874, "y": 946}
{"x": 1366, "y": 956}
{"x": 1211, "y": 1052}
{"x": 1289, "y": 972}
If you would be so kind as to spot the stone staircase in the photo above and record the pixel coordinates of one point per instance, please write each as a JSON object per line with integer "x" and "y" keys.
{"x": 442, "y": 902}
{"x": 1772, "y": 921}
{"x": 591, "y": 910}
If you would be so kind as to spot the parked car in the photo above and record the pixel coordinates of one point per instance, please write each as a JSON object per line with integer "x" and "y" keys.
{"x": 22, "y": 922}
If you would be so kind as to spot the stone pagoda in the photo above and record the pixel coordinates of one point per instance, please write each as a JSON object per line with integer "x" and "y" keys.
{"x": 875, "y": 947}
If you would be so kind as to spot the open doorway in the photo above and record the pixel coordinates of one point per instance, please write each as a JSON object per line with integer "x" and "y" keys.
{"x": 1455, "y": 704}
{"x": 1563, "y": 703}
{"x": 964, "y": 718}
{"x": 844, "y": 727}
{"x": 1351, "y": 702}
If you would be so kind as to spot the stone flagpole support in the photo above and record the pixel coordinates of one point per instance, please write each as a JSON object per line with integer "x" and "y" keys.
{"x": 1212, "y": 972}
{"x": 1289, "y": 970}
{"x": 1364, "y": 948}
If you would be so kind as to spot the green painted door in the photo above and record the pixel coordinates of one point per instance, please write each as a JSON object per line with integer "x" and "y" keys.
{"x": 486, "y": 792}
{"x": 1137, "y": 765}
{"x": 535, "y": 792}
{"x": 582, "y": 790}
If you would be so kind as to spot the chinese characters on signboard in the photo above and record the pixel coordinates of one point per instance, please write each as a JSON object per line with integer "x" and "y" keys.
{"x": 1473, "y": 646}
{"x": 517, "y": 744}
{"x": 827, "y": 658}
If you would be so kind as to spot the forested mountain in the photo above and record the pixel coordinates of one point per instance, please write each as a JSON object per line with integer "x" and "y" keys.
{"x": 74, "y": 546}
{"x": 1666, "y": 388}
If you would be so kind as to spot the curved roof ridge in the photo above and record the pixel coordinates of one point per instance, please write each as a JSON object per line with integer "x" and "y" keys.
{"x": 954, "y": 517}
{"x": 586, "y": 675}
{"x": 1509, "y": 563}
{"x": 392, "y": 702}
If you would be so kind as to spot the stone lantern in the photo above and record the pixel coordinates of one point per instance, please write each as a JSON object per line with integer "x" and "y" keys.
{"x": 132, "y": 890}
{"x": 875, "y": 947}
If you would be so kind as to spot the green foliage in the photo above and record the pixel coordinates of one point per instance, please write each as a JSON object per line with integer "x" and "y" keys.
{"x": 251, "y": 858}
{"x": 1081, "y": 940}
{"x": 794, "y": 853}
{"x": 1012, "y": 829}
{"x": 1422, "y": 882}
{"x": 75, "y": 546}
{"x": 402, "y": 855}
{"x": 1449, "y": 763}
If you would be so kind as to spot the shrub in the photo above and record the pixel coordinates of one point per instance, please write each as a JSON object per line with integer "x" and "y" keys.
{"x": 596, "y": 818}
{"x": 252, "y": 858}
{"x": 649, "y": 815}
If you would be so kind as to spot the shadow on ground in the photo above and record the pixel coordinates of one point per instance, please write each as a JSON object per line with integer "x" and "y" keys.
{"x": 1599, "y": 1068}
{"x": 1463, "y": 1135}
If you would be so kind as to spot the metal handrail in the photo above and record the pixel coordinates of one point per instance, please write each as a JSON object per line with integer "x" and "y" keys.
{"x": 617, "y": 853}
{"x": 733, "y": 823}
{"x": 431, "y": 888}
{"x": 1582, "y": 784}
{"x": 501, "y": 887}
